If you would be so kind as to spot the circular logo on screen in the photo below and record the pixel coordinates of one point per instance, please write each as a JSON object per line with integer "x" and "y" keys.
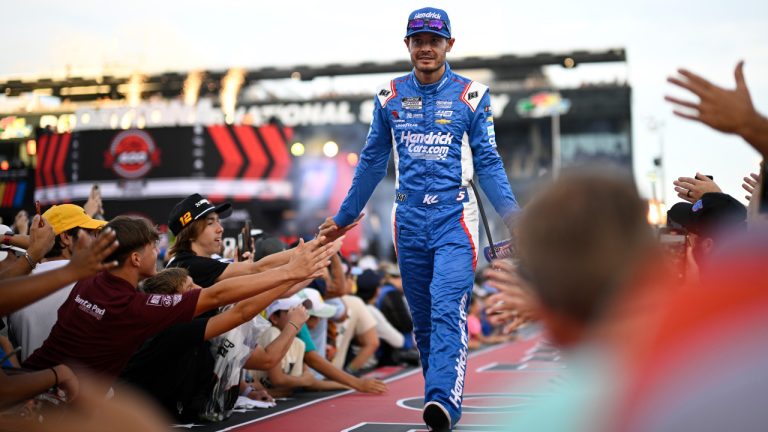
{"x": 132, "y": 154}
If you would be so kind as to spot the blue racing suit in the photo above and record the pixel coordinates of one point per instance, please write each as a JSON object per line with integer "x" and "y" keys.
{"x": 440, "y": 134}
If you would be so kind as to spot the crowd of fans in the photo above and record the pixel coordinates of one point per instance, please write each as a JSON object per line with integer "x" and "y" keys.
{"x": 90, "y": 314}
{"x": 205, "y": 330}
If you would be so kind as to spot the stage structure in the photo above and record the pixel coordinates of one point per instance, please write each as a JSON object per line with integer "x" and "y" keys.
{"x": 284, "y": 161}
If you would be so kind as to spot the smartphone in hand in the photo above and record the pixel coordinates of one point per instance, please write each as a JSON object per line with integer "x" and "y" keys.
{"x": 675, "y": 245}
{"x": 244, "y": 242}
{"x": 37, "y": 212}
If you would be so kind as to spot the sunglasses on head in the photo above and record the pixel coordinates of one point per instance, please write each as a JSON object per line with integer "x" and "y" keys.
{"x": 434, "y": 24}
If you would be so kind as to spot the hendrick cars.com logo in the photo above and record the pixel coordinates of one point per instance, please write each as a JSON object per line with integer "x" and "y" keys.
{"x": 132, "y": 154}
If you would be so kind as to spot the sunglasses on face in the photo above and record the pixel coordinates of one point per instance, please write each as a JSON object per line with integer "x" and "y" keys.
{"x": 433, "y": 24}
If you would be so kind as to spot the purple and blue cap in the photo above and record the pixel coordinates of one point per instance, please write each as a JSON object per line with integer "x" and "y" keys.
{"x": 431, "y": 20}
{"x": 710, "y": 216}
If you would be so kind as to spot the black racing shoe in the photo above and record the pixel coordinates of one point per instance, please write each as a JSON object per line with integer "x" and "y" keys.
{"x": 436, "y": 417}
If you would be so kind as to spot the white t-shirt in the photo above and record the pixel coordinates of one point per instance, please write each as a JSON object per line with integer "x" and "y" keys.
{"x": 293, "y": 362}
{"x": 386, "y": 331}
{"x": 32, "y": 324}
{"x": 358, "y": 321}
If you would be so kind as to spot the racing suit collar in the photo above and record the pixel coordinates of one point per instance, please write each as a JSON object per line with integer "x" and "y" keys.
{"x": 435, "y": 86}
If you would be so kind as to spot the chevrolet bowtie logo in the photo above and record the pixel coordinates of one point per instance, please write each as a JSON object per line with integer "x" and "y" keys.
{"x": 442, "y": 121}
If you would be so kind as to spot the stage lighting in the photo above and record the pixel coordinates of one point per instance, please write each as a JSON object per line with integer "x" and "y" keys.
{"x": 134, "y": 89}
{"x": 31, "y": 147}
{"x": 297, "y": 149}
{"x": 192, "y": 87}
{"x": 230, "y": 87}
{"x": 330, "y": 149}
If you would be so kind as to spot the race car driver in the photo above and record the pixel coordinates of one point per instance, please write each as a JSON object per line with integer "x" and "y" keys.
{"x": 440, "y": 127}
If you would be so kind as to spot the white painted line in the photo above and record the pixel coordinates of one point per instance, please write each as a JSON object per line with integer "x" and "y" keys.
{"x": 486, "y": 367}
{"x": 313, "y": 402}
{"x": 354, "y": 427}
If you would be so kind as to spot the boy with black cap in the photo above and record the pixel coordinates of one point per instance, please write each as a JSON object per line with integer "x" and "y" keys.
{"x": 440, "y": 126}
{"x": 195, "y": 222}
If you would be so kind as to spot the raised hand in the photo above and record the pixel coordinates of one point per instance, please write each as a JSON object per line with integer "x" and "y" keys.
{"x": 513, "y": 299}
{"x": 692, "y": 189}
{"x": 41, "y": 238}
{"x": 722, "y": 109}
{"x": 93, "y": 206}
{"x": 749, "y": 185}
{"x": 298, "y": 315}
{"x": 309, "y": 259}
{"x": 502, "y": 275}
{"x": 328, "y": 226}
{"x": 331, "y": 231}
{"x": 336, "y": 245}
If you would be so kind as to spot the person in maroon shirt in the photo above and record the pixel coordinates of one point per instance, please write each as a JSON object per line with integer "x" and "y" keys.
{"x": 105, "y": 319}
{"x": 20, "y": 291}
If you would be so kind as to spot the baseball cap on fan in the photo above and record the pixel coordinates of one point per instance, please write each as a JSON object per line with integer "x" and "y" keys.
{"x": 714, "y": 214}
{"x": 319, "y": 308}
{"x": 193, "y": 208}
{"x": 64, "y": 217}
{"x": 283, "y": 304}
{"x": 429, "y": 19}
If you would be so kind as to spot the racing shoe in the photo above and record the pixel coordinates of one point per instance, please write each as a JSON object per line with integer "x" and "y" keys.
{"x": 436, "y": 417}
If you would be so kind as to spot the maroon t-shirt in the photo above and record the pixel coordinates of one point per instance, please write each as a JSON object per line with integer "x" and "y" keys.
{"x": 103, "y": 322}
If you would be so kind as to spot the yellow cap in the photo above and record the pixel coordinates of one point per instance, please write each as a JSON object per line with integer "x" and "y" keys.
{"x": 64, "y": 217}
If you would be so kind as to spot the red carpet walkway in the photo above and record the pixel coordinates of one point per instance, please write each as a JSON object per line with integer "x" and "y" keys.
{"x": 500, "y": 379}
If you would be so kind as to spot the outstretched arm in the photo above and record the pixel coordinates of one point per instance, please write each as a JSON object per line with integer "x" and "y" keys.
{"x": 306, "y": 262}
{"x": 244, "y": 311}
{"x": 20, "y": 291}
{"x": 275, "y": 260}
{"x": 280, "y": 379}
{"x": 328, "y": 370}
{"x": 371, "y": 168}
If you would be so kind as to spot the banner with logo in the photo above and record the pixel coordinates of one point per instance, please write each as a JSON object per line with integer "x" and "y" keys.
{"x": 237, "y": 162}
{"x": 162, "y": 165}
